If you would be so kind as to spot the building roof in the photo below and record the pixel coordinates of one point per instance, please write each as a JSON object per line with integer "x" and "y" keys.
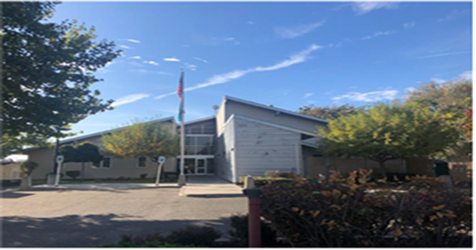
{"x": 269, "y": 124}
{"x": 199, "y": 120}
{"x": 83, "y": 137}
{"x": 274, "y": 109}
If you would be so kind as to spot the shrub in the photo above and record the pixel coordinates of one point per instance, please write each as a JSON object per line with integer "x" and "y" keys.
{"x": 393, "y": 177}
{"x": 276, "y": 174}
{"x": 140, "y": 240}
{"x": 194, "y": 235}
{"x": 240, "y": 232}
{"x": 261, "y": 181}
{"x": 28, "y": 166}
{"x": 147, "y": 244}
{"x": 343, "y": 212}
{"x": 157, "y": 240}
{"x": 142, "y": 176}
{"x": 73, "y": 174}
{"x": 169, "y": 177}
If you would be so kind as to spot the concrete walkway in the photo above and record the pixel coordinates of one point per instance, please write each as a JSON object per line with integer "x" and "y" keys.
{"x": 104, "y": 186}
{"x": 210, "y": 186}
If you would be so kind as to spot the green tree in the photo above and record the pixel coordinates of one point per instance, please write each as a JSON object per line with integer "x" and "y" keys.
{"x": 149, "y": 139}
{"x": 451, "y": 100}
{"x": 384, "y": 132}
{"x": 330, "y": 112}
{"x": 48, "y": 70}
{"x": 84, "y": 152}
{"x": 28, "y": 166}
{"x": 15, "y": 144}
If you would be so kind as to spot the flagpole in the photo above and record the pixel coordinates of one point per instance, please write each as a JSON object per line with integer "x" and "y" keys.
{"x": 181, "y": 180}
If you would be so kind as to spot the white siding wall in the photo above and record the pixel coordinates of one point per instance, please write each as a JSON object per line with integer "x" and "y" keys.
{"x": 261, "y": 147}
{"x": 228, "y": 165}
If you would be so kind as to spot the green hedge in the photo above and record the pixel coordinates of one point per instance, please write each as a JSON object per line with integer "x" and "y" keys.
{"x": 261, "y": 181}
{"x": 190, "y": 236}
{"x": 148, "y": 244}
{"x": 352, "y": 212}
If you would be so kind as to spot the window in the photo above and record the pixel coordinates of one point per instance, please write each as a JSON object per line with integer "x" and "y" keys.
{"x": 141, "y": 162}
{"x": 199, "y": 145}
{"x": 105, "y": 163}
{"x": 201, "y": 129}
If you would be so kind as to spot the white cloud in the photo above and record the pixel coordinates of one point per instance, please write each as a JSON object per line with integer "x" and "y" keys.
{"x": 219, "y": 79}
{"x": 223, "y": 78}
{"x": 133, "y": 41}
{"x": 445, "y": 54}
{"x": 454, "y": 14}
{"x": 151, "y": 62}
{"x": 409, "y": 25}
{"x": 468, "y": 75}
{"x": 191, "y": 66}
{"x": 293, "y": 32}
{"x": 200, "y": 59}
{"x": 250, "y": 22}
{"x": 232, "y": 40}
{"x": 124, "y": 46}
{"x": 150, "y": 71}
{"x": 410, "y": 89}
{"x": 337, "y": 45}
{"x": 171, "y": 59}
{"x": 438, "y": 80}
{"x": 307, "y": 95}
{"x": 368, "y": 96}
{"x": 362, "y": 8}
{"x": 128, "y": 99}
{"x": 135, "y": 57}
{"x": 296, "y": 58}
{"x": 378, "y": 33}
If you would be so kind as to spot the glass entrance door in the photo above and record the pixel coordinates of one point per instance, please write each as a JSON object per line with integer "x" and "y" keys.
{"x": 201, "y": 166}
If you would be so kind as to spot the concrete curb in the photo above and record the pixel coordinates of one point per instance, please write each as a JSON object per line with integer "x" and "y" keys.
{"x": 205, "y": 191}
{"x": 9, "y": 190}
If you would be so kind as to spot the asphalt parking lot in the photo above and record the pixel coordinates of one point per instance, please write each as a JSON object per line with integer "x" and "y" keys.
{"x": 86, "y": 218}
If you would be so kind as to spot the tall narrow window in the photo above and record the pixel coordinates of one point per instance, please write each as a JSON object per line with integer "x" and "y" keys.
{"x": 141, "y": 162}
{"x": 106, "y": 162}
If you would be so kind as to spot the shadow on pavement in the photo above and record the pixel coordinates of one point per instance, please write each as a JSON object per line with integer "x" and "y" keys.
{"x": 13, "y": 195}
{"x": 88, "y": 231}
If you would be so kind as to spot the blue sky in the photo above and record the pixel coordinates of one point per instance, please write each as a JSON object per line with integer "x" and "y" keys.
{"x": 282, "y": 53}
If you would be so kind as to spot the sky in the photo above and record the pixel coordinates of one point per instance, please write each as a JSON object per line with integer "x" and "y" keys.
{"x": 282, "y": 53}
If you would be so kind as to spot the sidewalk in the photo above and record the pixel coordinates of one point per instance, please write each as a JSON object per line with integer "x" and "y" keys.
{"x": 103, "y": 186}
{"x": 210, "y": 186}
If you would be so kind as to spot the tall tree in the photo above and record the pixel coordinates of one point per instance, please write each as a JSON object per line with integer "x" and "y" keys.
{"x": 84, "y": 152}
{"x": 14, "y": 144}
{"x": 47, "y": 71}
{"x": 451, "y": 100}
{"x": 330, "y": 112}
{"x": 384, "y": 132}
{"x": 149, "y": 139}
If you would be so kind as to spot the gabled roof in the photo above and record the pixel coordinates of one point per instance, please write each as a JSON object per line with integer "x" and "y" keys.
{"x": 269, "y": 124}
{"x": 83, "y": 137}
{"x": 273, "y": 109}
{"x": 198, "y": 120}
